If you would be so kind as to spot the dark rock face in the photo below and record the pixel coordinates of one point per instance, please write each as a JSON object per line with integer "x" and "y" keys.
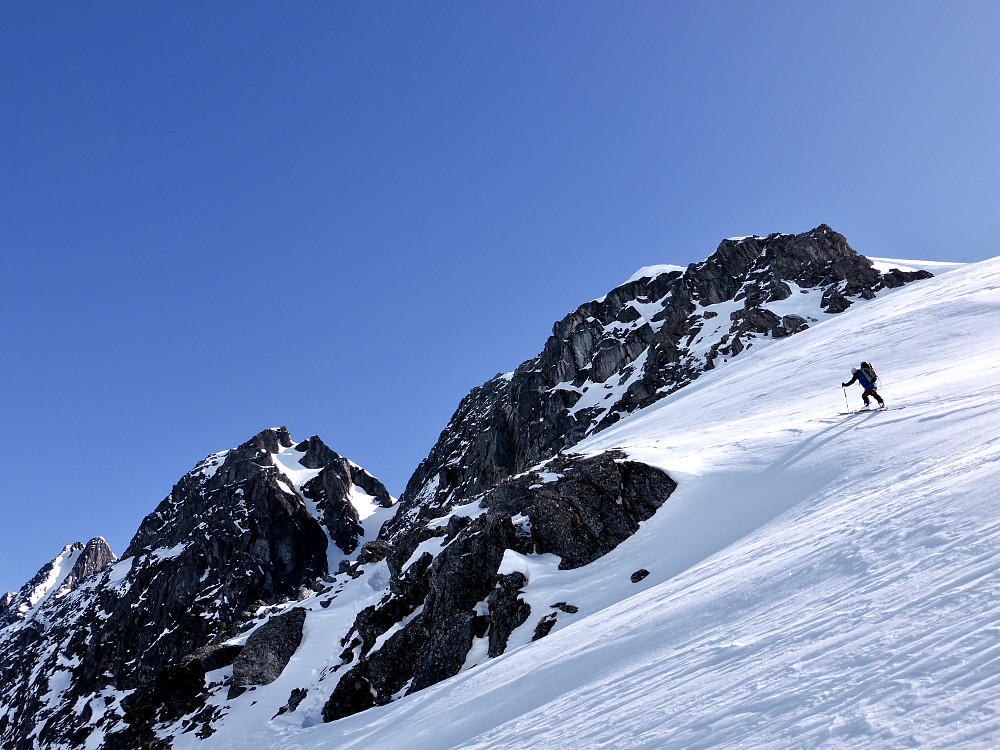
{"x": 507, "y": 611}
{"x": 176, "y": 690}
{"x": 580, "y": 509}
{"x": 269, "y": 648}
{"x": 639, "y": 343}
{"x": 230, "y": 534}
{"x": 260, "y": 529}
{"x": 331, "y": 490}
{"x": 214, "y": 656}
{"x": 896, "y": 278}
{"x": 94, "y": 558}
{"x": 593, "y": 506}
{"x": 235, "y": 534}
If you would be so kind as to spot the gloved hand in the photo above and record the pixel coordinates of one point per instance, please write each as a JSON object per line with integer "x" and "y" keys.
{"x": 843, "y": 385}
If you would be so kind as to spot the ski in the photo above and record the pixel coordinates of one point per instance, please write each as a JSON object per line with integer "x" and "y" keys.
{"x": 870, "y": 411}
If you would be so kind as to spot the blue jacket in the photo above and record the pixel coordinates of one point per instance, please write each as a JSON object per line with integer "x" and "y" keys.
{"x": 860, "y": 378}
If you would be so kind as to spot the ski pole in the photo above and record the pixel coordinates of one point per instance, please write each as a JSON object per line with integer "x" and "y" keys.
{"x": 846, "y": 403}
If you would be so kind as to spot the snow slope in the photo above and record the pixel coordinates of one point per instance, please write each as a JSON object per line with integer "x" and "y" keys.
{"x": 52, "y": 581}
{"x": 816, "y": 580}
{"x": 884, "y": 265}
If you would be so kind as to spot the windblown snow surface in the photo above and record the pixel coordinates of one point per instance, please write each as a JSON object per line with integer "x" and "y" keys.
{"x": 817, "y": 580}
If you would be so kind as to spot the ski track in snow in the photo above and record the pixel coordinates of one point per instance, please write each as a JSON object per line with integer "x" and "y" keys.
{"x": 816, "y": 580}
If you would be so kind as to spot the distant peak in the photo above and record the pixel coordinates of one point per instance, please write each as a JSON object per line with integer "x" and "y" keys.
{"x": 94, "y": 557}
{"x": 822, "y": 229}
{"x": 97, "y": 544}
{"x": 273, "y": 439}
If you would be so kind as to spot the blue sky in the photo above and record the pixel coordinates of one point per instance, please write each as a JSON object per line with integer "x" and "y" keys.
{"x": 341, "y": 217}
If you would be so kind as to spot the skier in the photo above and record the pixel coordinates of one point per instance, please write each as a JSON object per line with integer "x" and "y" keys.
{"x": 866, "y": 377}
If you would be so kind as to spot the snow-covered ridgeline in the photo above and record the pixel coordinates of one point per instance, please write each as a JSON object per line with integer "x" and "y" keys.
{"x": 649, "y": 272}
{"x": 57, "y": 571}
{"x": 700, "y": 348}
{"x": 288, "y": 461}
{"x": 884, "y": 265}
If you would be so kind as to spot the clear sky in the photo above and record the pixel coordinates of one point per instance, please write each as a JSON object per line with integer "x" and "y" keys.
{"x": 340, "y": 217}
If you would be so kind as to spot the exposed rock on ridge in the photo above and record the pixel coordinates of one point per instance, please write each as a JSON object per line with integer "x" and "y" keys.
{"x": 581, "y": 510}
{"x": 94, "y": 558}
{"x": 634, "y": 346}
{"x": 56, "y": 579}
{"x": 268, "y": 649}
{"x": 332, "y": 489}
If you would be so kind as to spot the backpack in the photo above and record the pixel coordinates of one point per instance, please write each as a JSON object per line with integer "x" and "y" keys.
{"x": 869, "y": 372}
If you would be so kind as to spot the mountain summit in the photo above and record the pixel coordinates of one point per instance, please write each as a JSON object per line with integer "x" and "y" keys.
{"x": 250, "y": 527}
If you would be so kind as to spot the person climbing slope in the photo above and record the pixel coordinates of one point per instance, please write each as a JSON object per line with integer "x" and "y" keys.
{"x": 866, "y": 377}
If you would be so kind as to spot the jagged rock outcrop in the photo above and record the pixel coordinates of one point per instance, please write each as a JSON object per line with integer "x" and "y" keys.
{"x": 580, "y": 509}
{"x": 268, "y": 649}
{"x": 583, "y": 507}
{"x": 637, "y": 344}
{"x": 94, "y": 558}
{"x": 331, "y": 490}
{"x": 248, "y": 527}
{"x": 507, "y": 611}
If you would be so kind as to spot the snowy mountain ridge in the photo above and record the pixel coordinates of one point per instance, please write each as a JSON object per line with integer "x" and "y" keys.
{"x": 536, "y": 611}
{"x": 56, "y": 579}
{"x": 636, "y": 345}
{"x": 122, "y": 644}
{"x": 815, "y": 580}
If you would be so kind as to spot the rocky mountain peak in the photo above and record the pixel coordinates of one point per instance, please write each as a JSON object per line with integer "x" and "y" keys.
{"x": 94, "y": 557}
{"x": 252, "y": 526}
{"x": 255, "y": 482}
{"x": 56, "y": 578}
